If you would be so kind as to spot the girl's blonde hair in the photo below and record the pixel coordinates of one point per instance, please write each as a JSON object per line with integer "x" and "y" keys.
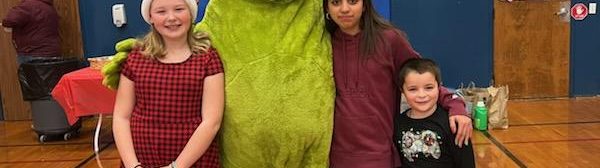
{"x": 153, "y": 45}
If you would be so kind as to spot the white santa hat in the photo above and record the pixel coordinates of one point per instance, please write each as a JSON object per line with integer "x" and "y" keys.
{"x": 145, "y": 9}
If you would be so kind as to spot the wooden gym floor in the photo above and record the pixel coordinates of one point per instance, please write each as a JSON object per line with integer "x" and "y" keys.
{"x": 542, "y": 133}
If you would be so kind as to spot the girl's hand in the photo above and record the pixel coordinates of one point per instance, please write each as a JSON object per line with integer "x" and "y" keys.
{"x": 6, "y": 29}
{"x": 464, "y": 131}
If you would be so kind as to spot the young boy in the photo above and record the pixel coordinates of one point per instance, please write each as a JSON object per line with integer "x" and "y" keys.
{"x": 422, "y": 134}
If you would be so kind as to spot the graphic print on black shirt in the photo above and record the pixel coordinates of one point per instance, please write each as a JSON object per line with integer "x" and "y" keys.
{"x": 425, "y": 143}
{"x": 428, "y": 142}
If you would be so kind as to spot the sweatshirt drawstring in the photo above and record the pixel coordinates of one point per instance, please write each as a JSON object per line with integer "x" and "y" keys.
{"x": 358, "y": 67}
{"x": 346, "y": 61}
{"x": 351, "y": 85}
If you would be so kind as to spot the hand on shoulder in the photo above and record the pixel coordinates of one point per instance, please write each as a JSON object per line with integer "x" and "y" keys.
{"x": 6, "y": 29}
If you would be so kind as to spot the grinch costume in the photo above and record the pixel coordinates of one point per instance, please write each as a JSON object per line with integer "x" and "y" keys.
{"x": 278, "y": 82}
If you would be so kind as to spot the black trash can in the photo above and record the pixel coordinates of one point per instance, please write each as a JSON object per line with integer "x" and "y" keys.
{"x": 38, "y": 77}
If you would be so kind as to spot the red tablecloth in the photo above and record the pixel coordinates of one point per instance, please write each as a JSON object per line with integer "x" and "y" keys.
{"x": 81, "y": 93}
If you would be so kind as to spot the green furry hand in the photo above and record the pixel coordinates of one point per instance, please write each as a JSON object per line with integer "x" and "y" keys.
{"x": 112, "y": 71}
{"x": 125, "y": 45}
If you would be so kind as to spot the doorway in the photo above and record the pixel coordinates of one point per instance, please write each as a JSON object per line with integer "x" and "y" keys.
{"x": 531, "y": 48}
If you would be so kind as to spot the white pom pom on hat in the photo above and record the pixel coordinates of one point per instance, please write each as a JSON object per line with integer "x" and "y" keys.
{"x": 145, "y": 9}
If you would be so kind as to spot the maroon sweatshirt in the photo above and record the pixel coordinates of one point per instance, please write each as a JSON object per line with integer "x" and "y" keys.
{"x": 34, "y": 26}
{"x": 367, "y": 99}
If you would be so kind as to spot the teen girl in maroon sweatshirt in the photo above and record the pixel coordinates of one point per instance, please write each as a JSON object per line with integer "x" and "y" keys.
{"x": 367, "y": 54}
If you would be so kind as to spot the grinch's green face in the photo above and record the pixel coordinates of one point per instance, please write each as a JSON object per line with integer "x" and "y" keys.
{"x": 272, "y": 1}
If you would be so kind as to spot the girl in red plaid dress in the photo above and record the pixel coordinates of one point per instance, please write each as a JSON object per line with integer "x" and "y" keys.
{"x": 171, "y": 93}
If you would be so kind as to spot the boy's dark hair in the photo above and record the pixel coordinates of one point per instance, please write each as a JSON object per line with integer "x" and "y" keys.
{"x": 419, "y": 65}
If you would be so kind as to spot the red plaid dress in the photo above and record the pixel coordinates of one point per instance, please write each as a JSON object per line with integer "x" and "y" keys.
{"x": 168, "y": 106}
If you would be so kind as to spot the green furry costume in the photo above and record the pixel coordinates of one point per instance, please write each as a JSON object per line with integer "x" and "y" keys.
{"x": 278, "y": 81}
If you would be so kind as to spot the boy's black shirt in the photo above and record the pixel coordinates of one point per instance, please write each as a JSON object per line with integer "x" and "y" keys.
{"x": 431, "y": 140}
